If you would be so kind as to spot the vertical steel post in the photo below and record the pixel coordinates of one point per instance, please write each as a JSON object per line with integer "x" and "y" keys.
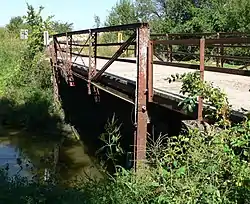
{"x": 92, "y": 64}
{"x": 218, "y": 53}
{"x": 92, "y": 58}
{"x": 70, "y": 74}
{"x": 168, "y": 54}
{"x": 150, "y": 71}
{"x": 55, "y": 70}
{"x": 222, "y": 53}
{"x": 141, "y": 96}
{"x": 202, "y": 66}
{"x": 170, "y": 50}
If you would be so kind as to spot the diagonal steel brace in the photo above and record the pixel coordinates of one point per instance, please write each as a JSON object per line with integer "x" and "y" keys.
{"x": 118, "y": 53}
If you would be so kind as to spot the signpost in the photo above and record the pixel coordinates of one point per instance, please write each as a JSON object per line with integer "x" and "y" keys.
{"x": 46, "y": 38}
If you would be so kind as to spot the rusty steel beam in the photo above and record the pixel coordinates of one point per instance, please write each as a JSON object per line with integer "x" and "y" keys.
{"x": 239, "y": 72}
{"x": 235, "y": 40}
{"x": 236, "y": 58}
{"x": 202, "y": 66}
{"x": 70, "y": 74}
{"x": 141, "y": 117}
{"x": 55, "y": 71}
{"x": 79, "y": 55}
{"x": 199, "y": 34}
{"x": 150, "y": 72}
{"x": 196, "y": 42}
{"x": 177, "y": 42}
{"x": 114, "y": 57}
{"x": 92, "y": 58}
{"x": 105, "y": 29}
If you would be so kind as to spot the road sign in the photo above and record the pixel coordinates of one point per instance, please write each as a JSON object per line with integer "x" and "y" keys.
{"x": 120, "y": 37}
{"x": 46, "y": 38}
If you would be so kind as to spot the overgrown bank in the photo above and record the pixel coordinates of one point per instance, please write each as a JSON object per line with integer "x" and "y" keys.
{"x": 25, "y": 79}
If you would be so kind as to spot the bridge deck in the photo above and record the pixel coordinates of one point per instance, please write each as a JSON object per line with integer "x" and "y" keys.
{"x": 235, "y": 86}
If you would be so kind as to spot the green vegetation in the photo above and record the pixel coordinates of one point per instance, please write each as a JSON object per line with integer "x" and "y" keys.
{"x": 210, "y": 166}
{"x": 25, "y": 79}
{"x": 21, "y": 22}
{"x": 186, "y": 16}
{"x": 193, "y": 87}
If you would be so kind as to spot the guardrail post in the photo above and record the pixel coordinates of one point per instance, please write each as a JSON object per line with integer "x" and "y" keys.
{"x": 141, "y": 117}
{"x": 202, "y": 66}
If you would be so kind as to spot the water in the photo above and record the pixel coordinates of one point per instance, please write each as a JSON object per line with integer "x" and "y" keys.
{"x": 34, "y": 156}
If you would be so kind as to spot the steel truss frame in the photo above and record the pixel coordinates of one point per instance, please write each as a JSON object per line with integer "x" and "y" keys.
{"x": 140, "y": 39}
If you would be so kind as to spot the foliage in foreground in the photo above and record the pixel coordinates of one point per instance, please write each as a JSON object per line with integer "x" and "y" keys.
{"x": 200, "y": 167}
{"x": 209, "y": 166}
{"x": 20, "y": 190}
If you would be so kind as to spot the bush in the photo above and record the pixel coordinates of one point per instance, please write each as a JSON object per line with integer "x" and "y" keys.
{"x": 200, "y": 167}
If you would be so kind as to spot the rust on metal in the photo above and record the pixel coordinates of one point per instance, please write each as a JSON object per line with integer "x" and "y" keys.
{"x": 133, "y": 26}
{"x": 202, "y": 66}
{"x": 70, "y": 74}
{"x": 150, "y": 71}
{"x": 53, "y": 52}
{"x": 92, "y": 58}
{"x": 141, "y": 95}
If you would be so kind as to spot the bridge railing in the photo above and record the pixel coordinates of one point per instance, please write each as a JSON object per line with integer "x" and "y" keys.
{"x": 84, "y": 44}
{"x": 220, "y": 53}
{"x": 202, "y": 46}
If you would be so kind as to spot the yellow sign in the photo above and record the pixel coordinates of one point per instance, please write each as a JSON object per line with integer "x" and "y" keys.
{"x": 119, "y": 37}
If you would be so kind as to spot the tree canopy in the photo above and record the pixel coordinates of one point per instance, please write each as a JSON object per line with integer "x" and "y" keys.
{"x": 34, "y": 18}
{"x": 183, "y": 15}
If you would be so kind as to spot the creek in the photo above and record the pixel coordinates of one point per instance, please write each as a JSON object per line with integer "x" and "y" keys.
{"x": 39, "y": 156}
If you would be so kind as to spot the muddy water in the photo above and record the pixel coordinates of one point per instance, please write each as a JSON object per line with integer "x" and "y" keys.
{"x": 40, "y": 156}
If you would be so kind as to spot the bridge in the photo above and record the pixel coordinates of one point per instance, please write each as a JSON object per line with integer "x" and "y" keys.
{"x": 141, "y": 78}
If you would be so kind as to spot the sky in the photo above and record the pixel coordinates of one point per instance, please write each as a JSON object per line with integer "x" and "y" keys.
{"x": 79, "y": 12}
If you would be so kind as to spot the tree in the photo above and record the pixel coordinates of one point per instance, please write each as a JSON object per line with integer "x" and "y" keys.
{"x": 97, "y": 21}
{"x": 15, "y": 24}
{"x": 36, "y": 26}
{"x": 122, "y": 13}
{"x": 59, "y": 27}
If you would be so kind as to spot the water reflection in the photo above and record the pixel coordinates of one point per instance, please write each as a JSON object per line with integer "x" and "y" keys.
{"x": 31, "y": 155}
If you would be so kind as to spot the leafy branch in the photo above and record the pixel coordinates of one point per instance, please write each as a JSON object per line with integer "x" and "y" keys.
{"x": 218, "y": 107}
{"x": 111, "y": 142}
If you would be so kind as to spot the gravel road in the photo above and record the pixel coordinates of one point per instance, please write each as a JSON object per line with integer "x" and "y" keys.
{"x": 236, "y": 87}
